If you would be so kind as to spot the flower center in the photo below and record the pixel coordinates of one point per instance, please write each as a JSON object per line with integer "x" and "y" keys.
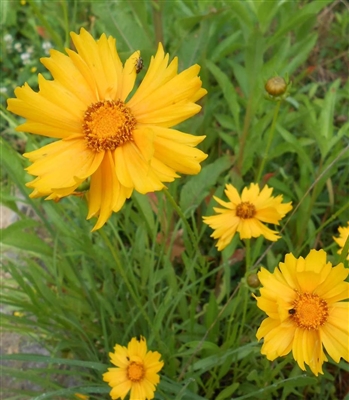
{"x": 108, "y": 124}
{"x": 245, "y": 210}
{"x": 135, "y": 371}
{"x": 309, "y": 311}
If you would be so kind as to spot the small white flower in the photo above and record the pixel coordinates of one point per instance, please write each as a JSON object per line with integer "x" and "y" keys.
{"x": 8, "y": 39}
{"x": 18, "y": 47}
{"x": 30, "y": 49}
{"x": 46, "y": 45}
{"x": 25, "y": 58}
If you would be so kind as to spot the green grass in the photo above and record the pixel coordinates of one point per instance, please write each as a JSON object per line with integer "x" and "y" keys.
{"x": 159, "y": 274}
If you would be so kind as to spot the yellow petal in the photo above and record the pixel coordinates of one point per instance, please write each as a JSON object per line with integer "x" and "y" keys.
{"x": 307, "y": 349}
{"x": 168, "y": 116}
{"x": 75, "y": 161}
{"x": 177, "y": 156}
{"x": 143, "y": 178}
{"x": 251, "y": 193}
{"x": 334, "y": 333}
{"x": 68, "y": 75}
{"x": 278, "y": 341}
{"x": 158, "y": 73}
{"x": 88, "y": 50}
{"x": 232, "y": 194}
{"x": 105, "y": 192}
{"x": 36, "y": 108}
{"x": 128, "y": 76}
{"x": 175, "y": 135}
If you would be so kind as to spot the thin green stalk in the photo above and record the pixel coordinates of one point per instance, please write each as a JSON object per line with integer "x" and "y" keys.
{"x": 248, "y": 254}
{"x": 43, "y": 20}
{"x": 200, "y": 344}
{"x": 244, "y": 135}
{"x": 270, "y": 140}
{"x": 122, "y": 273}
{"x": 346, "y": 149}
{"x": 157, "y": 18}
{"x": 66, "y": 21}
{"x": 182, "y": 217}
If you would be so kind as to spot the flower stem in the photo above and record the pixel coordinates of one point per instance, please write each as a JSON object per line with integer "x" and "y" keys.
{"x": 244, "y": 135}
{"x": 157, "y": 19}
{"x": 270, "y": 139}
{"x": 122, "y": 273}
{"x": 182, "y": 217}
{"x": 248, "y": 253}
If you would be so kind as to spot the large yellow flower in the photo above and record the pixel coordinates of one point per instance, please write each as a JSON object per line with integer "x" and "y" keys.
{"x": 120, "y": 141}
{"x": 245, "y": 214}
{"x": 302, "y": 299}
{"x": 343, "y": 236}
{"x": 137, "y": 371}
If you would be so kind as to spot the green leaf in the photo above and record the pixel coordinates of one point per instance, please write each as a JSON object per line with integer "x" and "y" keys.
{"x": 198, "y": 187}
{"x": 207, "y": 363}
{"x": 294, "y": 381}
{"x": 71, "y": 391}
{"x": 14, "y": 236}
{"x": 228, "y": 90}
{"x": 295, "y": 146}
{"x": 52, "y": 360}
{"x": 327, "y": 111}
{"x": 228, "y": 391}
{"x": 143, "y": 204}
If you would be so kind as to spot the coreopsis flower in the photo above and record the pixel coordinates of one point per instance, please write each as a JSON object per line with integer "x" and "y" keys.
{"x": 137, "y": 371}
{"x": 303, "y": 301}
{"x": 246, "y": 213}
{"x": 343, "y": 236}
{"x": 116, "y": 140}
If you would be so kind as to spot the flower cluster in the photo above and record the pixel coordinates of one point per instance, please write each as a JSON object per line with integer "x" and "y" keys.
{"x": 116, "y": 140}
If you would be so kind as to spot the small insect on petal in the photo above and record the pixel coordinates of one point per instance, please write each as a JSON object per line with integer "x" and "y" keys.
{"x": 139, "y": 65}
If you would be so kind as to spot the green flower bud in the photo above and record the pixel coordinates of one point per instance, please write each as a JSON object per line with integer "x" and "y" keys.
{"x": 253, "y": 281}
{"x": 276, "y": 86}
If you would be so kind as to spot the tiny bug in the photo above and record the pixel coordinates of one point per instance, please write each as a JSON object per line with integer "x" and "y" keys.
{"x": 139, "y": 65}
{"x": 292, "y": 311}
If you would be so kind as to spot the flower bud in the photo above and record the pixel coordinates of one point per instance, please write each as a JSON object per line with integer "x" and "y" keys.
{"x": 276, "y": 86}
{"x": 253, "y": 281}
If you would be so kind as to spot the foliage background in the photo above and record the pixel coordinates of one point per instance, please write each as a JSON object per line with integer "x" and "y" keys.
{"x": 145, "y": 273}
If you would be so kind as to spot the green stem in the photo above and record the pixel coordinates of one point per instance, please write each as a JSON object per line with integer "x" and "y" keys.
{"x": 43, "y": 20}
{"x": 248, "y": 253}
{"x": 182, "y": 217}
{"x": 244, "y": 135}
{"x": 122, "y": 273}
{"x": 270, "y": 139}
{"x": 157, "y": 18}
{"x": 321, "y": 227}
{"x": 66, "y": 22}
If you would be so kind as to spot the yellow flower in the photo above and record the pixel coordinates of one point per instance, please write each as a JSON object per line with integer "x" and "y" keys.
{"x": 343, "y": 236}
{"x": 302, "y": 299}
{"x": 137, "y": 370}
{"x": 117, "y": 140}
{"x": 245, "y": 214}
